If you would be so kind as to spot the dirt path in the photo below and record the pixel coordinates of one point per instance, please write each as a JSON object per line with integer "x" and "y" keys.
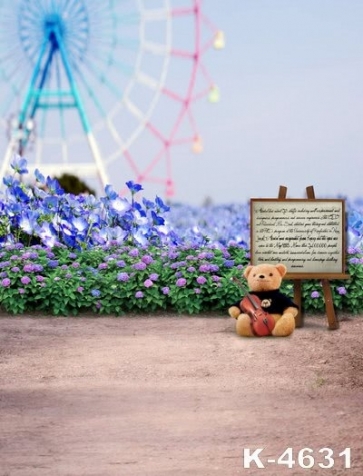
{"x": 176, "y": 396}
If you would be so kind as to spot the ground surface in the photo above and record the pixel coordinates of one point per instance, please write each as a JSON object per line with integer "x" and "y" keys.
{"x": 176, "y": 396}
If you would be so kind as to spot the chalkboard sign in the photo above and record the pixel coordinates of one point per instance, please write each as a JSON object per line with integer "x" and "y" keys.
{"x": 308, "y": 236}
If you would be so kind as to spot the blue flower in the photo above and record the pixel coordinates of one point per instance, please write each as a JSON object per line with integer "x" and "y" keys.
{"x": 96, "y": 293}
{"x": 161, "y": 205}
{"x": 53, "y": 186}
{"x": 53, "y": 263}
{"x": 19, "y": 165}
{"x": 133, "y": 187}
{"x": 228, "y": 263}
{"x": 39, "y": 177}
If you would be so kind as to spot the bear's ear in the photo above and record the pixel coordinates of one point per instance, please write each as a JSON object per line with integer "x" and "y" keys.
{"x": 247, "y": 271}
{"x": 281, "y": 268}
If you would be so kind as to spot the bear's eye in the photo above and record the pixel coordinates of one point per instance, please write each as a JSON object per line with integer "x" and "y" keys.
{"x": 271, "y": 274}
{"x": 254, "y": 275}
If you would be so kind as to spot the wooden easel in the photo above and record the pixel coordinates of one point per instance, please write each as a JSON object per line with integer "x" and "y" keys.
{"x": 328, "y": 297}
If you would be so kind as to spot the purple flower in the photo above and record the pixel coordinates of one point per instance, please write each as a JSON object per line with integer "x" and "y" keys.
{"x": 25, "y": 280}
{"x": 178, "y": 264}
{"x": 4, "y": 264}
{"x": 154, "y": 276}
{"x": 147, "y": 259}
{"x": 64, "y": 266}
{"x": 123, "y": 277}
{"x": 204, "y": 268}
{"x": 354, "y": 260}
{"x": 213, "y": 267}
{"x": 21, "y": 290}
{"x": 201, "y": 280}
{"x": 139, "y": 295}
{"x": 148, "y": 283}
{"x": 216, "y": 278}
{"x": 102, "y": 266}
{"x": 121, "y": 263}
{"x": 68, "y": 275}
{"x": 28, "y": 268}
{"x": 5, "y": 282}
{"x": 341, "y": 290}
{"x": 134, "y": 252}
{"x": 191, "y": 269}
{"x": 39, "y": 278}
{"x": 206, "y": 255}
{"x": 315, "y": 294}
{"x": 75, "y": 264}
{"x": 15, "y": 269}
{"x": 197, "y": 291}
{"x": 140, "y": 266}
{"x": 181, "y": 282}
{"x": 72, "y": 256}
{"x": 165, "y": 290}
{"x": 80, "y": 289}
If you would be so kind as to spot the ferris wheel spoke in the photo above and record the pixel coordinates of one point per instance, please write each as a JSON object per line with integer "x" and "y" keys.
{"x": 102, "y": 79}
{"x": 132, "y": 18}
{"x": 155, "y": 14}
{"x": 92, "y": 95}
{"x": 147, "y": 80}
{"x": 155, "y": 48}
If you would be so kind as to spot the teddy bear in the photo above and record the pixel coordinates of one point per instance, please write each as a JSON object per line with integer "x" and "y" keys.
{"x": 264, "y": 281}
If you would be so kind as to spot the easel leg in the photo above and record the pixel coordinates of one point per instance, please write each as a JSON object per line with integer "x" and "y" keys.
{"x": 329, "y": 306}
{"x": 299, "y": 318}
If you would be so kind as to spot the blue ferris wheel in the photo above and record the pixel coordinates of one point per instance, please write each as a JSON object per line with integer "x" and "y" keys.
{"x": 80, "y": 81}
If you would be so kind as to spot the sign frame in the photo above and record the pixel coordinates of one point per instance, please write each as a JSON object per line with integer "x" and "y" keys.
{"x": 316, "y": 226}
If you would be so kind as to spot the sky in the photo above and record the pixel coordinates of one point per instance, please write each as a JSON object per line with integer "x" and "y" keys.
{"x": 291, "y": 107}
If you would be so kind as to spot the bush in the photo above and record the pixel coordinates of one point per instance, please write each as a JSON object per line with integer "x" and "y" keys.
{"x": 63, "y": 255}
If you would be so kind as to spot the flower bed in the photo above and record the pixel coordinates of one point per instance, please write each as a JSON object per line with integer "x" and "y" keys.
{"x": 64, "y": 254}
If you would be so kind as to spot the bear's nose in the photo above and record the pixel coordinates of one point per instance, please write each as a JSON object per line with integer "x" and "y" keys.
{"x": 261, "y": 276}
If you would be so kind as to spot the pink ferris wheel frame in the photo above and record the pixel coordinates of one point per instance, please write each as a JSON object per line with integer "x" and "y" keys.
{"x": 185, "y": 101}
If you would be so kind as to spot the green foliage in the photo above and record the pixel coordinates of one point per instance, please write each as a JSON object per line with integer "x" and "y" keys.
{"x": 122, "y": 279}
{"x": 73, "y": 184}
